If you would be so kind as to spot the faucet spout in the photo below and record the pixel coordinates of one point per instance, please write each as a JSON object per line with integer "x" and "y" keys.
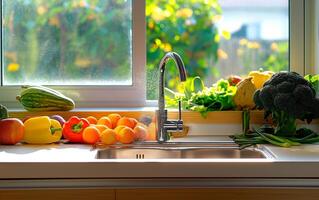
{"x": 182, "y": 74}
{"x": 163, "y": 125}
{"x": 178, "y": 61}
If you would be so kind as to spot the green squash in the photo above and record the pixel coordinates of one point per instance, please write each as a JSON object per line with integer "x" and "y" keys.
{"x": 3, "y": 112}
{"x": 42, "y": 99}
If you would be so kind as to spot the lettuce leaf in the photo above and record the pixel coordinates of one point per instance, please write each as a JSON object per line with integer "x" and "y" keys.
{"x": 197, "y": 97}
{"x": 314, "y": 81}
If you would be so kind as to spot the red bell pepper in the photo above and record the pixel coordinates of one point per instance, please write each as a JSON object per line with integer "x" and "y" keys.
{"x": 73, "y": 129}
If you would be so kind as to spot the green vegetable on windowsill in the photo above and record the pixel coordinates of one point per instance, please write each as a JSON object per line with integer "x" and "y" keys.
{"x": 287, "y": 96}
{"x": 196, "y": 97}
{"x": 314, "y": 81}
{"x": 40, "y": 98}
{"x": 3, "y": 112}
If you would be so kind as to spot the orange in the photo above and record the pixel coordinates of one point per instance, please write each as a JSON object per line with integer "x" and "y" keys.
{"x": 105, "y": 121}
{"x": 91, "y": 135}
{"x": 126, "y": 121}
{"x": 108, "y": 137}
{"x": 134, "y": 121}
{"x": 140, "y": 133}
{"x": 151, "y": 132}
{"x": 118, "y": 128}
{"x": 114, "y": 117}
{"x": 154, "y": 118}
{"x": 101, "y": 127}
{"x": 92, "y": 120}
{"x": 126, "y": 136}
{"x": 141, "y": 124}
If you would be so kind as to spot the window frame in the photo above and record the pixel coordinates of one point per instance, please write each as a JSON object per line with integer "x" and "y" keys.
{"x": 102, "y": 96}
{"x": 297, "y": 36}
{"x": 135, "y": 95}
{"x": 312, "y": 37}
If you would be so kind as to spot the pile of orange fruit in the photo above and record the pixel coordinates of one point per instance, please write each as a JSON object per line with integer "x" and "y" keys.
{"x": 115, "y": 128}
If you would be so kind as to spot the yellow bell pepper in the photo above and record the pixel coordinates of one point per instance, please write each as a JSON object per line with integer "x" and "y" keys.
{"x": 260, "y": 77}
{"x": 42, "y": 130}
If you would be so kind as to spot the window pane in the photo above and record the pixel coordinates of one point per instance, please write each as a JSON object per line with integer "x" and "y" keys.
{"x": 216, "y": 38}
{"x": 74, "y": 42}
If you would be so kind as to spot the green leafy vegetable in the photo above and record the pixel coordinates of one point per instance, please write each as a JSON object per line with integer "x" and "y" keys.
{"x": 196, "y": 97}
{"x": 218, "y": 97}
{"x": 193, "y": 85}
{"x": 314, "y": 81}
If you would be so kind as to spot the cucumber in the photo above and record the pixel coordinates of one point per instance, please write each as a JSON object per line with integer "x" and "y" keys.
{"x": 40, "y": 98}
{"x": 3, "y": 112}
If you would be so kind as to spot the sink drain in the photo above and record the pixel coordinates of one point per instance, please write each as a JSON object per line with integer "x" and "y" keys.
{"x": 139, "y": 156}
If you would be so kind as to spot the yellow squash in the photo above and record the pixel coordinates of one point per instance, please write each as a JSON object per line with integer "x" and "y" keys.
{"x": 244, "y": 97}
{"x": 260, "y": 77}
{"x": 42, "y": 130}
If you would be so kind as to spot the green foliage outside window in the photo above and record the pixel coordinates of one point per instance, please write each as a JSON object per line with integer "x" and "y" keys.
{"x": 90, "y": 40}
{"x": 278, "y": 59}
{"x": 186, "y": 27}
{"x": 73, "y": 40}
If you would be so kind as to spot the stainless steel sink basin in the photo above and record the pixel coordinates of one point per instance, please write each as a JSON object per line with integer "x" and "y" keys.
{"x": 180, "y": 152}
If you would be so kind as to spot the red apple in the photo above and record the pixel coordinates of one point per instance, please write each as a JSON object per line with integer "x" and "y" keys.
{"x": 234, "y": 79}
{"x": 11, "y": 131}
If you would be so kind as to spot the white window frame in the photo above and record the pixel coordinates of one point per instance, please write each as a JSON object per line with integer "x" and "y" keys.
{"x": 135, "y": 95}
{"x": 304, "y": 36}
{"x": 297, "y": 35}
{"x": 312, "y": 37}
{"x": 104, "y": 96}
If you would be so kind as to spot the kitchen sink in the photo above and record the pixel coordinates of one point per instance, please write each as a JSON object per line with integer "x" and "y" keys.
{"x": 181, "y": 152}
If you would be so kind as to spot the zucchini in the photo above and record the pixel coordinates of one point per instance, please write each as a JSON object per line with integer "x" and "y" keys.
{"x": 40, "y": 98}
{"x": 3, "y": 112}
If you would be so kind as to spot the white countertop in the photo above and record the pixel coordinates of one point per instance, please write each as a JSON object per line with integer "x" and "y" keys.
{"x": 78, "y": 161}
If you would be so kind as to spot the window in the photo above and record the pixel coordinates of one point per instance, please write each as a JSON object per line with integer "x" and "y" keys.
{"x": 217, "y": 38}
{"x": 105, "y": 53}
{"x": 82, "y": 47}
{"x": 67, "y": 42}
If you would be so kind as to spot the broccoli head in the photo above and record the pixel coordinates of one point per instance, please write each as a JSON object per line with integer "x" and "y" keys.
{"x": 267, "y": 95}
{"x": 259, "y": 104}
{"x": 303, "y": 94}
{"x": 288, "y": 92}
{"x": 315, "y": 104}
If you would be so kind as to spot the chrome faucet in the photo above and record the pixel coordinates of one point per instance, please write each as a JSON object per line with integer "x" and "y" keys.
{"x": 165, "y": 126}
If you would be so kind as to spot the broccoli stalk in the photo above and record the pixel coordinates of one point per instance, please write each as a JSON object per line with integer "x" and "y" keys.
{"x": 285, "y": 123}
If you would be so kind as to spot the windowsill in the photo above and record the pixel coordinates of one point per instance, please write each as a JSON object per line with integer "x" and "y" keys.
{"x": 100, "y": 109}
{"x": 215, "y": 117}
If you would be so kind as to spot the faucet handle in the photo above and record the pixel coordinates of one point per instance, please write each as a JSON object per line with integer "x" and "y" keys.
{"x": 173, "y": 126}
{"x": 179, "y": 110}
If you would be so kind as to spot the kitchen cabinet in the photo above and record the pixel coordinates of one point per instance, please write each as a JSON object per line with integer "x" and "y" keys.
{"x": 57, "y": 194}
{"x": 219, "y": 194}
{"x": 163, "y": 194}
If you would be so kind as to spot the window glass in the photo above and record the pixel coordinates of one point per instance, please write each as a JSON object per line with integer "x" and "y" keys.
{"x": 73, "y": 42}
{"x": 216, "y": 38}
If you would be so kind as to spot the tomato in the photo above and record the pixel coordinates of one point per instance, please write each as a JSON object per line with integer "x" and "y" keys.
{"x": 234, "y": 80}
